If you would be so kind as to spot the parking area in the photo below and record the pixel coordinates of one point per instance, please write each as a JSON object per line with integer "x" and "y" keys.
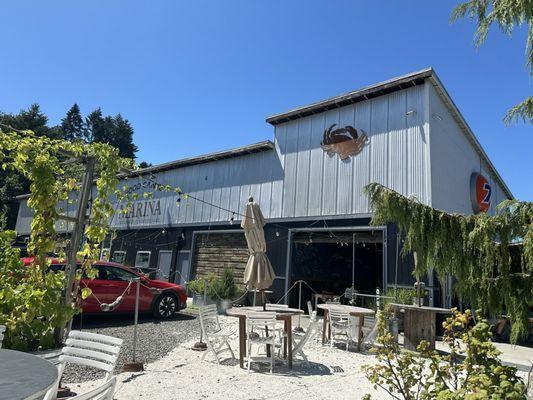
{"x": 156, "y": 338}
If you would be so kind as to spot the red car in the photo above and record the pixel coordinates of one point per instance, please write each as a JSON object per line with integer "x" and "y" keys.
{"x": 162, "y": 299}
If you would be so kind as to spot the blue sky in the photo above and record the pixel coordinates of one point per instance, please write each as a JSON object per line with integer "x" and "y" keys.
{"x": 198, "y": 76}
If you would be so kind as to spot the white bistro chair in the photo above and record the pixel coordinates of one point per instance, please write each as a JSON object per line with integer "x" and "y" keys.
{"x": 312, "y": 313}
{"x": 102, "y": 392}
{"x": 215, "y": 337}
{"x": 2, "y": 330}
{"x": 267, "y": 323}
{"x": 90, "y": 350}
{"x": 339, "y": 325}
{"x": 298, "y": 345}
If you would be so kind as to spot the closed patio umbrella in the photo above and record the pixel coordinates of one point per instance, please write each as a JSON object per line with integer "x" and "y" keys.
{"x": 258, "y": 273}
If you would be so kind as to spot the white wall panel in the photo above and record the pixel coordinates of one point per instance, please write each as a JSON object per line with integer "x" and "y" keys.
{"x": 316, "y": 165}
{"x": 397, "y": 172}
{"x": 290, "y": 168}
{"x": 417, "y": 145}
{"x": 329, "y": 185}
{"x": 361, "y": 163}
{"x": 379, "y": 141}
{"x": 453, "y": 160}
{"x": 345, "y": 167}
{"x": 302, "y": 169}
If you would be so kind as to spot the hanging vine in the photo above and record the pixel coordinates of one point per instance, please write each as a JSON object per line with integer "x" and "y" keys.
{"x": 54, "y": 169}
{"x": 491, "y": 257}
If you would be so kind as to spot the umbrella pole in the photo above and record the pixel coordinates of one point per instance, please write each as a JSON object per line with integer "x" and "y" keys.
{"x": 264, "y": 302}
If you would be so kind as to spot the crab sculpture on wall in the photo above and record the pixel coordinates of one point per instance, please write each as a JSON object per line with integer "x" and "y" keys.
{"x": 345, "y": 142}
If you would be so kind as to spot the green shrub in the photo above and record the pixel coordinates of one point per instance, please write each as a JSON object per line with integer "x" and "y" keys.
{"x": 471, "y": 371}
{"x": 225, "y": 286}
{"x": 30, "y": 300}
{"x": 197, "y": 285}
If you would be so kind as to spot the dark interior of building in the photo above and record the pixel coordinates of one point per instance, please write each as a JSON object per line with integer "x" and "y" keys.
{"x": 326, "y": 261}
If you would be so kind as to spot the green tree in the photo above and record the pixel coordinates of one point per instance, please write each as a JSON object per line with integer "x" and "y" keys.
{"x": 123, "y": 137}
{"x": 116, "y": 131}
{"x": 73, "y": 127}
{"x": 507, "y": 14}
{"x": 13, "y": 183}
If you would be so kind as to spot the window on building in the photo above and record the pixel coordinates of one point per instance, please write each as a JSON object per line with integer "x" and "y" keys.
{"x": 119, "y": 257}
{"x": 142, "y": 260}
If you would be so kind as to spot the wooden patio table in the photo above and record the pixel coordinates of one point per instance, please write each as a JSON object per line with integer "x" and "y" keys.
{"x": 419, "y": 324}
{"x": 282, "y": 314}
{"x": 24, "y": 376}
{"x": 358, "y": 312}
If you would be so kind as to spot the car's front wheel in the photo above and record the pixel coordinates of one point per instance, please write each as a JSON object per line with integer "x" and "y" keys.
{"x": 165, "y": 306}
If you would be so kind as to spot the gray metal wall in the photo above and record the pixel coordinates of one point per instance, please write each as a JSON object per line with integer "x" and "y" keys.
{"x": 298, "y": 179}
{"x": 453, "y": 159}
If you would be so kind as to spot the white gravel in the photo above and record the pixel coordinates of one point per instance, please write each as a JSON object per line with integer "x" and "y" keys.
{"x": 332, "y": 374}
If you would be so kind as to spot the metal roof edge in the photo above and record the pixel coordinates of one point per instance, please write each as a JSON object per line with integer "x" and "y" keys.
{"x": 365, "y": 93}
{"x": 265, "y": 145}
{"x": 452, "y": 107}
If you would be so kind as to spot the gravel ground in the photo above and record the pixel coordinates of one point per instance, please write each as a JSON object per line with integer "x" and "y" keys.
{"x": 155, "y": 339}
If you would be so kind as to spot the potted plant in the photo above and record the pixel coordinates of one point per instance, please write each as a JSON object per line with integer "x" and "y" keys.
{"x": 419, "y": 294}
{"x": 197, "y": 287}
{"x": 225, "y": 290}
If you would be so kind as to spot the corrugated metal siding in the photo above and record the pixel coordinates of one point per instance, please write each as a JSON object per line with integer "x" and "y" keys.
{"x": 297, "y": 178}
{"x": 453, "y": 160}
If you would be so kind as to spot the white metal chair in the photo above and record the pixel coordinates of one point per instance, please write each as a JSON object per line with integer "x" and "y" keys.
{"x": 312, "y": 313}
{"x": 2, "y": 330}
{"x": 298, "y": 346}
{"x": 91, "y": 350}
{"x": 215, "y": 337}
{"x": 339, "y": 325}
{"x": 265, "y": 321}
{"x": 102, "y": 392}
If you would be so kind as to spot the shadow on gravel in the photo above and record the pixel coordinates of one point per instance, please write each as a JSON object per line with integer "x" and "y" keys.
{"x": 117, "y": 320}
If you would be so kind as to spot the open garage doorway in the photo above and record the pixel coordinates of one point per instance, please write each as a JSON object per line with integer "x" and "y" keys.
{"x": 330, "y": 261}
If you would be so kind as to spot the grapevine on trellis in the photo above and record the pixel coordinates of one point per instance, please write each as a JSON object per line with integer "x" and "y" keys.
{"x": 54, "y": 169}
{"x": 491, "y": 257}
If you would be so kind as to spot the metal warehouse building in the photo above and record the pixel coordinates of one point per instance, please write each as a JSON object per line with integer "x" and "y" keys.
{"x": 405, "y": 133}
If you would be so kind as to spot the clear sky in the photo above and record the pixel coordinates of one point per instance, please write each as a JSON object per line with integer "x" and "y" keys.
{"x": 198, "y": 76}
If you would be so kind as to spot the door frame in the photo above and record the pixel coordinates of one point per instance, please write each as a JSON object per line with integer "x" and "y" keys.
{"x": 292, "y": 231}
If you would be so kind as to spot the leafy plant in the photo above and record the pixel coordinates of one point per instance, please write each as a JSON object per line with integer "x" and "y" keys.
{"x": 225, "y": 287}
{"x": 405, "y": 296}
{"x": 37, "y": 303}
{"x": 471, "y": 370}
{"x": 30, "y": 307}
{"x": 197, "y": 285}
{"x": 478, "y": 250}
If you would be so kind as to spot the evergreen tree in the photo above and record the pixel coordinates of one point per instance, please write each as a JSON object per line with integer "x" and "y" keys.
{"x": 95, "y": 126}
{"x": 73, "y": 127}
{"x": 123, "y": 137}
{"x": 117, "y": 131}
{"x": 507, "y": 15}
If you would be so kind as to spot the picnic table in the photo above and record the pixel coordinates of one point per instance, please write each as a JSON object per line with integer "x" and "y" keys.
{"x": 353, "y": 311}
{"x": 24, "y": 376}
{"x": 419, "y": 324}
{"x": 282, "y": 314}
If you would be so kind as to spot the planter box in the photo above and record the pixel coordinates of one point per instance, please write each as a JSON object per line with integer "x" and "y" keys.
{"x": 223, "y": 305}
